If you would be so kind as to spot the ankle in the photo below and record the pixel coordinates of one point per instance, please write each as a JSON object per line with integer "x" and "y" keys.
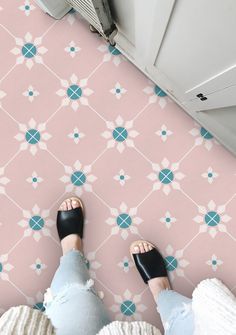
{"x": 157, "y": 285}
{"x": 71, "y": 242}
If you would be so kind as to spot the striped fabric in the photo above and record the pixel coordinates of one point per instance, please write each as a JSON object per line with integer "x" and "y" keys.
{"x": 23, "y": 320}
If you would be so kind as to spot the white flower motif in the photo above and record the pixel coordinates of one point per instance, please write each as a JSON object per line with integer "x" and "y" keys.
{"x": 31, "y": 93}
{"x": 34, "y": 180}
{"x": 174, "y": 262}
{"x": 118, "y": 91}
{"x": 72, "y": 49}
{"x": 124, "y": 221}
{"x": 210, "y": 175}
{"x": 125, "y": 264}
{"x": 121, "y": 177}
{"x": 166, "y": 176}
{"x": 29, "y": 51}
{"x": 120, "y": 134}
{"x": 78, "y": 179}
{"x": 128, "y": 307}
{"x": 37, "y": 223}
{"x": 38, "y": 266}
{"x": 212, "y": 218}
{"x": 214, "y": 262}
{"x": 75, "y": 92}
{"x": 2, "y": 95}
{"x": 93, "y": 265}
{"x": 203, "y": 137}
{"x": 155, "y": 94}
{"x": 27, "y": 7}
{"x": 164, "y": 133}
{"x": 31, "y": 136}
{"x": 111, "y": 54}
{"x": 168, "y": 219}
{"x": 76, "y": 135}
{"x": 5, "y": 267}
{"x": 3, "y": 181}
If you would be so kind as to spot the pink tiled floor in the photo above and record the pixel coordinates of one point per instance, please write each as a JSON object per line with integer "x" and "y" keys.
{"x": 176, "y": 206}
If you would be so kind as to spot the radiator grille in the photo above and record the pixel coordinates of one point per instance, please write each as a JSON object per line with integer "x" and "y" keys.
{"x": 97, "y": 13}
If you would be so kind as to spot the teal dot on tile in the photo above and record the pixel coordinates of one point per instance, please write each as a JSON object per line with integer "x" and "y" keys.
{"x": 204, "y": 133}
{"x": 210, "y": 175}
{"x": 167, "y": 219}
{"x": 212, "y": 219}
{"x": 122, "y": 177}
{"x": 214, "y": 262}
{"x": 72, "y": 49}
{"x": 39, "y": 306}
{"x": 29, "y": 50}
{"x": 113, "y": 50}
{"x": 76, "y": 135}
{"x": 126, "y": 264}
{"x": 74, "y": 92}
{"x": 78, "y": 178}
{"x": 127, "y": 308}
{"x": 36, "y": 222}
{"x": 31, "y": 93}
{"x": 35, "y": 180}
{"x": 166, "y": 176}
{"x": 171, "y": 263}
{"x": 124, "y": 220}
{"x": 120, "y": 134}
{"x": 38, "y": 266}
{"x": 158, "y": 91}
{"x": 1, "y": 267}
{"x": 163, "y": 132}
{"x": 118, "y": 90}
{"x": 27, "y": 7}
{"x": 32, "y": 136}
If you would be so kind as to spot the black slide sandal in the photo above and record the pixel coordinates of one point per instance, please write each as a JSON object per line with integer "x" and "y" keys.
{"x": 149, "y": 264}
{"x": 71, "y": 221}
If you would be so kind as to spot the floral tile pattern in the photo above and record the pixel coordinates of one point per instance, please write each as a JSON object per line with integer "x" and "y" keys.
{"x": 78, "y": 118}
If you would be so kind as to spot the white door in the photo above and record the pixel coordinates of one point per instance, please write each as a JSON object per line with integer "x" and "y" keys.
{"x": 194, "y": 58}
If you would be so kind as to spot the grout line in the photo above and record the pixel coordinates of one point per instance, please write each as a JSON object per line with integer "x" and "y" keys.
{"x": 11, "y": 69}
{"x": 13, "y": 201}
{"x": 233, "y": 196}
{"x": 145, "y": 157}
{"x": 147, "y": 196}
{"x": 58, "y": 160}
{"x": 189, "y": 242}
{"x": 230, "y": 235}
{"x": 95, "y": 69}
{"x": 141, "y": 111}
{"x": 58, "y": 243}
{"x": 103, "y": 242}
{"x": 15, "y": 245}
{"x": 49, "y": 28}
{"x": 100, "y": 155}
{"x": 62, "y": 195}
{"x": 186, "y": 154}
{"x": 17, "y": 288}
{"x": 52, "y": 115}
{"x": 187, "y": 196}
{"x": 10, "y": 116}
{"x": 97, "y": 113}
{"x": 8, "y": 31}
{"x": 189, "y": 281}
{"x": 50, "y": 70}
{"x": 12, "y": 158}
{"x": 103, "y": 201}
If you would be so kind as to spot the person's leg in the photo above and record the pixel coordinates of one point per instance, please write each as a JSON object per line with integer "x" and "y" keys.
{"x": 175, "y": 309}
{"x": 75, "y": 308}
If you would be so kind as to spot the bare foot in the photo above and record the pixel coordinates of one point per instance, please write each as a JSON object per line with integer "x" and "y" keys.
{"x": 72, "y": 241}
{"x": 156, "y": 285}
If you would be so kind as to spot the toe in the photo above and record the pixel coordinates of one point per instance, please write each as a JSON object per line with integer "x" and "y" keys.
{"x": 69, "y": 204}
{"x": 150, "y": 247}
{"x": 141, "y": 247}
{"x": 75, "y": 203}
{"x": 136, "y": 249}
{"x": 63, "y": 206}
{"x": 146, "y": 248}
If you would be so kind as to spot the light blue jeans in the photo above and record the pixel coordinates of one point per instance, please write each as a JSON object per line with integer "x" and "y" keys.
{"x": 76, "y": 309}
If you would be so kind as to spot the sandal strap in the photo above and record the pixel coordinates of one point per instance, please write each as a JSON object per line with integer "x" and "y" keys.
{"x": 150, "y": 264}
{"x": 70, "y": 222}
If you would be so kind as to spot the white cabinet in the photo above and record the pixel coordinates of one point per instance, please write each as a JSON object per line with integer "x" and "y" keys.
{"x": 188, "y": 48}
